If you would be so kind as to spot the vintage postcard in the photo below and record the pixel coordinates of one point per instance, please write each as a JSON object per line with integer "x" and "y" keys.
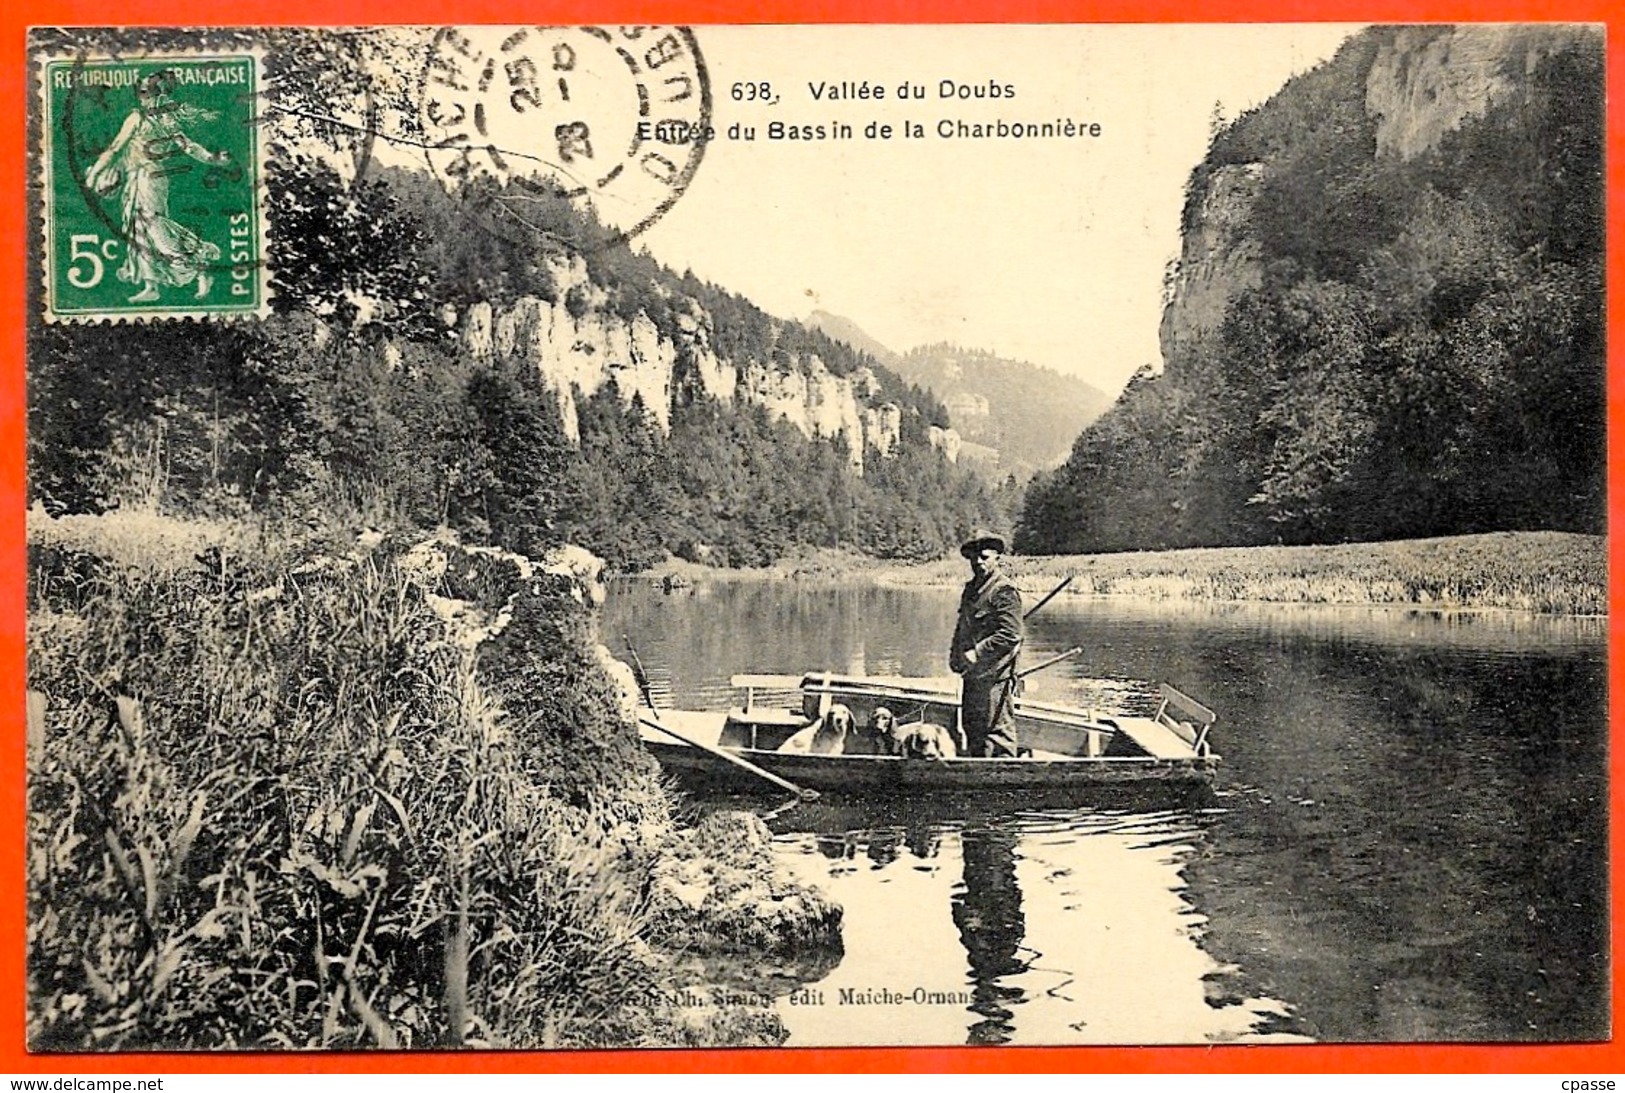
{"x": 712, "y": 537}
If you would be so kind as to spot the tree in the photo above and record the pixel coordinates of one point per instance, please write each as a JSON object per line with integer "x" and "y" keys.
{"x": 522, "y": 472}
{"x": 348, "y": 255}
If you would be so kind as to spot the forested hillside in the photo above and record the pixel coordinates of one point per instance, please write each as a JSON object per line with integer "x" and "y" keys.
{"x": 361, "y": 392}
{"x": 1387, "y": 321}
{"x": 1024, "y": 415}
{"x": 1030, "y": 414}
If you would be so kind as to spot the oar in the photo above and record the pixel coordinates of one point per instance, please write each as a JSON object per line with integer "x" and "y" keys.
{"x": 1056, "y": 591}
{"x": 1068, "y": 655}
{"x": 782, "y": 783}
{"x": 654, "y": 723}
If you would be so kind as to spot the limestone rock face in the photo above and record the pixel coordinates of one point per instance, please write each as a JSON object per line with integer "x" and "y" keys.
{"x": 1217, "y": 260}
{"x": 810, "y": 397}
{"x": 1426, "y": 81}
{"x": 577, "y": 344}
{"x": 1421, "y": 84}
{"x": 582, "y": 353}
{"x": 474, "y": 589}
{"x": 883, "y": 427}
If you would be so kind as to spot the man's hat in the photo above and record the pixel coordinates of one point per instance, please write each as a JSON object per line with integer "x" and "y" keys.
{"x": 979, "y": 540}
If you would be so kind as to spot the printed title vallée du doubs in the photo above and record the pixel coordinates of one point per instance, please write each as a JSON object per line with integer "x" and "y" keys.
{"x": 845, "y": 91}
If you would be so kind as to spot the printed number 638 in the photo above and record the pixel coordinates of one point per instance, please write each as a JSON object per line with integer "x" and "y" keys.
{"x": 753, "y": 91}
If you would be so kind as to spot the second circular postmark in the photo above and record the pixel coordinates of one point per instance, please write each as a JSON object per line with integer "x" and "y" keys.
{"x": 618, "y": 118}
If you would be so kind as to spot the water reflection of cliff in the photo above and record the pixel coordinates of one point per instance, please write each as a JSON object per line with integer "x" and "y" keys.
{"x": 1424, "y": 860}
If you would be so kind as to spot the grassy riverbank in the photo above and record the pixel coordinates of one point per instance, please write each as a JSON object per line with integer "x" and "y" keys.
{"x": 326, "y": 794}
{"x": 1546, "y": 572}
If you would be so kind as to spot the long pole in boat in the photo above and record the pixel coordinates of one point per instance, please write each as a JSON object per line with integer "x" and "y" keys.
{"x": 1017, "y": 677}
{"x": 1068, "y": 655}
{"x": 653, "y": 721}
{"x": 1056, "y": 591}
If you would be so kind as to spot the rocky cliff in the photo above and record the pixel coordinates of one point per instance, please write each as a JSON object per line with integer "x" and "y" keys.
{"x": 1426, "y": 81}
{"x": 1420, "y": 84}
{"x": 1387, "y": 320}
{"x": 1218, "y": 258}
{"x": 578, "y": 346}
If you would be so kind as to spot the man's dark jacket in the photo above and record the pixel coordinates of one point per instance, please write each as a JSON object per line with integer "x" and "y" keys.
{"x": 989, "y": 622}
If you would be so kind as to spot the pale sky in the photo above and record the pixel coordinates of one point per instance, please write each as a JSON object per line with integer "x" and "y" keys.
{"x": 1050, "y": 250}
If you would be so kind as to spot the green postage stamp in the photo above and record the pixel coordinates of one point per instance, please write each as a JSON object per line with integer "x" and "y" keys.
{"x": 153, "y": 206}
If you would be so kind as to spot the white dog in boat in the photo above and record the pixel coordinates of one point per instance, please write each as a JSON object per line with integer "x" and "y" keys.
{"x": 826, "y": 736}
{"x": 926, "y": 741}
{"x": 837, "y": 733}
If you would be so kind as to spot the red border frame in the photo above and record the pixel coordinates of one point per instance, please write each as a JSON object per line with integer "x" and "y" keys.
{"x": 1581, "y": 1059}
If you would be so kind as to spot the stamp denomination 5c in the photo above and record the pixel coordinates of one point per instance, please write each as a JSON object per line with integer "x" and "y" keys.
{"x": 153, "y": 206}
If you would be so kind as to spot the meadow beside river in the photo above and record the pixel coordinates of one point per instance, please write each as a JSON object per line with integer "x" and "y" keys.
{"x": 1540, "y": 571}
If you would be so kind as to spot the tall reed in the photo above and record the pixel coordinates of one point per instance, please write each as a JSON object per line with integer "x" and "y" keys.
{"x": 278, "y": 803}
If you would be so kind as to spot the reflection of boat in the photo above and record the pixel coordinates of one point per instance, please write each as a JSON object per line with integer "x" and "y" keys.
{"x": 1070, "y": 747}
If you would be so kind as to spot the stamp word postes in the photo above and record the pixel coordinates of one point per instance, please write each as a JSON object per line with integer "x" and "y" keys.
{"x": 151, "y": 194}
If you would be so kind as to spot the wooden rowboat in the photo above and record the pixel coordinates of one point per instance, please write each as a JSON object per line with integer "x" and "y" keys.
{"x": 1070, "y": 746}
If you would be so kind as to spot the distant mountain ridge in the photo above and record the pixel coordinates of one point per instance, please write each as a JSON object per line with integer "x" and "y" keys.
{"x": 845, "y": 330}
{"x": 1014, "y": 417}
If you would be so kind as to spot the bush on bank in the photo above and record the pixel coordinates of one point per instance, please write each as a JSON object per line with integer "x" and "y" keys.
{"x": 300, "y": 800}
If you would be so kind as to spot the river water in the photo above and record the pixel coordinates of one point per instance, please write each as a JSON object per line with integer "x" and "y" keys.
{"x": 1407, "y": 841}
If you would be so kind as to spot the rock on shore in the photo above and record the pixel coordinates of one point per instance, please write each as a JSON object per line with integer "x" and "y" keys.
{"x": 718, "y": 887}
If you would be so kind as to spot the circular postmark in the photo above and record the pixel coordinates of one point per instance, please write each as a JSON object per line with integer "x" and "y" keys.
{"x": 615, "y": 119}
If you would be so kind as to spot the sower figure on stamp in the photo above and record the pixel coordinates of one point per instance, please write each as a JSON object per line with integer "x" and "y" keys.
{"x": 986, "y": 641}
{"x": 158, "y": 249}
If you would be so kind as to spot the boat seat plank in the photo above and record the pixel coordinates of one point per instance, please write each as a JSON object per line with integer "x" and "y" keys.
{"x": 932, "y": 686}
{"x": 762, "y": 727}
{"x": 698, "y": 725}
{"x": 1154, "y": 738}
{"x": 768, "y": 715}
{"x": 1051, "y": 756}
{"x": 766, "y": 682}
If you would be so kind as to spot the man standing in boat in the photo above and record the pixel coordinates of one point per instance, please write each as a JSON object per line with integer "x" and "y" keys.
{"x": 986, "y": 641}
